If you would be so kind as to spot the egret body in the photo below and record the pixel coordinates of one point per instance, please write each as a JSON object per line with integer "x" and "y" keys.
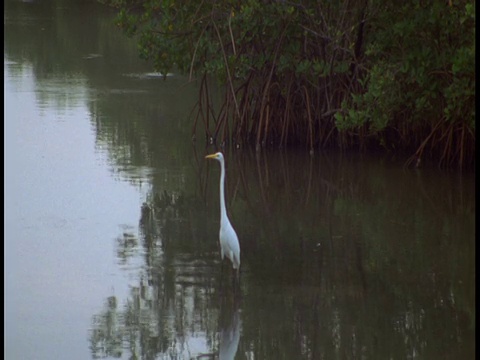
{"x": 229, "y": 244}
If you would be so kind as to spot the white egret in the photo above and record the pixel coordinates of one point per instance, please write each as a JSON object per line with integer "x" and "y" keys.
{"x": 229, "y": 244}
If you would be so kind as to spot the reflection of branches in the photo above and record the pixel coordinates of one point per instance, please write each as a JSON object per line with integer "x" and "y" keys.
{"x": 126, "y": 245}
{"x": 284, "y": 177}
{"x": 157, "y": 219}
{"x": 176, "y": 289}
{"x": 151, "y": 323}
{"x": 107, "y": 332}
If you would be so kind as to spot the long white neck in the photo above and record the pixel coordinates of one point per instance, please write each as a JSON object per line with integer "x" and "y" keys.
{"x": 223, "y": 208}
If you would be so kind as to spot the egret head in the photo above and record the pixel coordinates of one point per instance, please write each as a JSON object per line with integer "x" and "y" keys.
{"x": 217, "y": 156}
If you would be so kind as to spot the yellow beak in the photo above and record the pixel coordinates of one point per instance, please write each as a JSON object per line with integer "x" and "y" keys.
{"x": 211, "y": 156}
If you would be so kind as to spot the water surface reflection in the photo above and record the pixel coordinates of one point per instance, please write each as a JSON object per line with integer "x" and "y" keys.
{"x": 343, "y": 256}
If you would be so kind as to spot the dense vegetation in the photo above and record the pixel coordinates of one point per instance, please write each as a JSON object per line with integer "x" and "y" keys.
{"x": 363, "y": 74}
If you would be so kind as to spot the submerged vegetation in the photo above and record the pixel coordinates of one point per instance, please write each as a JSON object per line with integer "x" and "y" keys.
{"x": 361, "y": 74}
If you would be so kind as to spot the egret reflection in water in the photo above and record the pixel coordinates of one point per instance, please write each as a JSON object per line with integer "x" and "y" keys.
{"x": 229, "y": 332}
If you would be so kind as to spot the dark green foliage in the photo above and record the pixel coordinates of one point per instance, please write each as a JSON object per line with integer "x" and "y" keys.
{"x": 420, "y": 80}
{"x": 337, "y": 73}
